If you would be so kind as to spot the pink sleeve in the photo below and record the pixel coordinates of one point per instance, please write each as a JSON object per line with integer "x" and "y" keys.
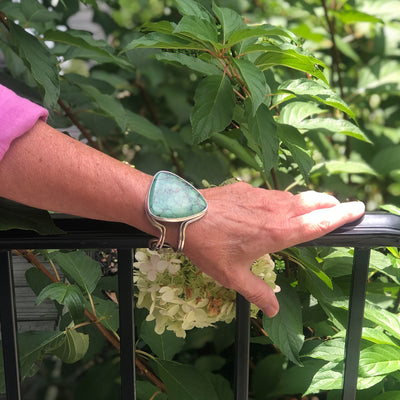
{"x": 17, "y": 116}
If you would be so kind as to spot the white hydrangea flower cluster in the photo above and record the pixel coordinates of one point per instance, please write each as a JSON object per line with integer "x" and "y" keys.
{"x": 179, "y": 297}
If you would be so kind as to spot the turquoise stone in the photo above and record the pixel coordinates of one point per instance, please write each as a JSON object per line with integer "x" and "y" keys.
{"x": 171, "y": 197}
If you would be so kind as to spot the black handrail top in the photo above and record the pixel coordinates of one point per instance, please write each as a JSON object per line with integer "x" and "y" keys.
{"x": 374, "y": 229}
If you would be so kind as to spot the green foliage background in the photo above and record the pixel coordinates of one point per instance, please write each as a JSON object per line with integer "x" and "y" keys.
{"x": 291, "y": 95}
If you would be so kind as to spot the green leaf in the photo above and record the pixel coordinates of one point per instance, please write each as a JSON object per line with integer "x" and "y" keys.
{"x": 255, "y": 81}
{"x": 391, "y": 208}
{"x": 192, "y": 63}
{"x": 377, "y": 336}
{"x": 230, "y": 21}
{"x": 17, "y": 216}
{"x": 40, "y": 62}
{"x": 339, "y": 167}
{"x": 107, "y": 312}
{"x": 263, "y": 131}
{"x": 274, "y": 55}
{"x": 386, "y": 160}
{"x": 332, "y": 125}
{"x": 163, "y": 41}
{"x": 142, "y": 126}
{"x": 197, "y": 29}
{"x": 384, "y": 319}
{"x": 32, "y": 346}
{"x": 73, "y": 347}
{"x": 183, "y": 381}
{"x": 236, "y": 148}
{"x": 97, "y": 50}
{"x": 68, "y": 295}
{"x": 214, "y": 103}
{"x": 329, "y": 350}
{"x": 193, "y": 8}
{"x": 80, "y": 268}
{"x": 295, "y": 111}
{"x": 349, "y": 15}
{"x": 165, "y": 346}
{"x": 297, "y": 146}
{"x": 259, "y": 31}
{"x": 286, "y": 328}
{"x": 317, "y": 91}
{"x": 379, "y": 359}
{"x": 330, "y": 377}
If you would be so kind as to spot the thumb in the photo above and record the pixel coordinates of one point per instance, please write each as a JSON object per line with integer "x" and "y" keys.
{"x": 256, "y": 291}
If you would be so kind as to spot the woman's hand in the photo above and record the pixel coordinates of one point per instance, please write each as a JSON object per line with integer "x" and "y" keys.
{"x": 243, "y": 223}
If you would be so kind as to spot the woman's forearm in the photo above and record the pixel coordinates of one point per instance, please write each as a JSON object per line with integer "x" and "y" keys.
{"x": 47, "y": 169}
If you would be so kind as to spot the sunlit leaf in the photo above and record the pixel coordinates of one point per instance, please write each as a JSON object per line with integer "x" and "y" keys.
{"x": 317, "y": 91}
{"x": 197, "y": 29}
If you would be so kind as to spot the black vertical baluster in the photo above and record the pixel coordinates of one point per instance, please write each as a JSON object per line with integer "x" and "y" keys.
{"x": 242, "y": 348}
{"x": 126, "y": 323}
{"x": 9, "y": 329}
{"x": 355, "y": 322}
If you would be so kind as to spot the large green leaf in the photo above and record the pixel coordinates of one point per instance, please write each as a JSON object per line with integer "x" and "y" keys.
{"x": 297, "y": 146}
{"x": 263, "y": 131}
{"x": 183, "y": 381}
{"x": 163, "y": 41}
{"x": 32, "y": 346}
{"x": 317, "y": 91}
{"x": 68, "y": 295}
{"x": 193, "y": 8}
{"x": 339, "y": 167}
{"x": 332, "y": 125}
{"x": 259, "y": 31}
{"x": 97, "y": 50}
{"x": 329, "y": 350}
{"x": 107, "y": 312}
{"x": 80, "y": 268}
{"x": 197, "y": 29}
{"x": 386, "y": 160}
{"x": 73, "y": 346}
{"x": 254, "y": 80}
{"x": 286, "y": 328}
{"x": 287, "y": 57}
{"x": 236, "y": 148}
{"x": 230, "y": 21}
{"x": 214, "y": 103}
{"x": 330, "y": 377}
{"x": 193, "y": 63}
{"x": 295, "y": 111}
{"x": 40, "y": 62}
{"x": 165, "y": 346}
{"x": 379, "y": 359}
{"x": 17, "y": 216}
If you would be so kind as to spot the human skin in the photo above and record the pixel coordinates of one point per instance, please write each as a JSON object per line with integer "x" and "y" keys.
{"x": 49, "y": 170}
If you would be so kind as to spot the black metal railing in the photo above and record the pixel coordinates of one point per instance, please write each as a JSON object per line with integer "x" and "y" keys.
{"x": 373, "y": 230}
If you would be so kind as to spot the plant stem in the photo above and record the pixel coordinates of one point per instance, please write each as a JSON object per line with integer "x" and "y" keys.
{"x": 72, "y": 117}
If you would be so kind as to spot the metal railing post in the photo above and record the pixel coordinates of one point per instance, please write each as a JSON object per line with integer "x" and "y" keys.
{"x": 355, "y": 322}
{"x": 8, "y": 322}
{"x": 242, "y": 348}
{"x": 126, "y": 323}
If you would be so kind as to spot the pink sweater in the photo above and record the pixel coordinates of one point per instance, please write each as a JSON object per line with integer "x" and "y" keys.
{"x": 17, "y": 116}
